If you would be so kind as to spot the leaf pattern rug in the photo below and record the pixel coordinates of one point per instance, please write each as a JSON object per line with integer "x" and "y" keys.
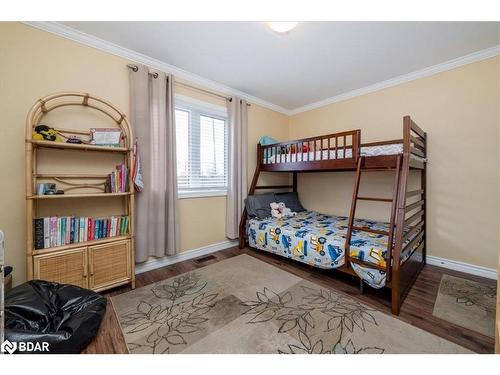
{"x": 244, "y": 305}
{"x": 467, "y": 303}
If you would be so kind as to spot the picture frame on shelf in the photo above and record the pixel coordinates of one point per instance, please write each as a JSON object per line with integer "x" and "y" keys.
{"x": 108, "y": 137}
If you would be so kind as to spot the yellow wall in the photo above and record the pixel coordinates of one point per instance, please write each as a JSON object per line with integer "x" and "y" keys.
{"x": 459, "y": 111}
{"x": 33, "y": 64}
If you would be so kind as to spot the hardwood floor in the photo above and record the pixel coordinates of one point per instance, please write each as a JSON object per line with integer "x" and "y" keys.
{"x": 416, "y": 309}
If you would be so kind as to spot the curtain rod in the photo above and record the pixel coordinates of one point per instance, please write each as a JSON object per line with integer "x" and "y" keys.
{"x": 135, "y": 68}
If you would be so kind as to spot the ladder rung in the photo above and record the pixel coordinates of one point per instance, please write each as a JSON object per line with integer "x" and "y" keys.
{"x": 412, "y": 206}
{"x": 388, "y": 169}
{"x": 414, "y": 192}
{"x": 375, "y": 199}
{"x": 365, "y": 229}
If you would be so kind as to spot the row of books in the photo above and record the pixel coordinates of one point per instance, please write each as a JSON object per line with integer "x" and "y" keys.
{"x": 58, "y": 231}
{"x": 116, "y": 181}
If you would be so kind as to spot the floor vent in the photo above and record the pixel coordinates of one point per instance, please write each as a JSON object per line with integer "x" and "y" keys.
{"x": 204, "y": 259}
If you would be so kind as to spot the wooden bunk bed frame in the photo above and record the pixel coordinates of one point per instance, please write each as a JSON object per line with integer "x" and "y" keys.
{"x": 343, "y": 153}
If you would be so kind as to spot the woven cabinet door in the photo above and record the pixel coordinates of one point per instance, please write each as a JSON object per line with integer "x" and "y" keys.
{"x": 65, "y": 267}
{"x": 110, "y": 264}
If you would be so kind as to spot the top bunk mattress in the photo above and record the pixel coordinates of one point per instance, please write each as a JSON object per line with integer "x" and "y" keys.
{"x": 378, "y": 150}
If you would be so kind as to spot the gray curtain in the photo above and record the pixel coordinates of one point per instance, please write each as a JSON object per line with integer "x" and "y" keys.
{"x": 152, "y": 117}
{"x": 237, "y": 164}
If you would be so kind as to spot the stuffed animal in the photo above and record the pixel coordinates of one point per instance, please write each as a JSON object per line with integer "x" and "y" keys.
{"x": 280, "y": 210}
{"x": 46, "y": 133}
{"x": 285, "y": 211}
{"x": 275, "y": 210}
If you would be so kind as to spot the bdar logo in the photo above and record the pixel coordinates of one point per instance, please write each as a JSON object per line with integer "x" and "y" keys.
{"x": 8, "y": 347}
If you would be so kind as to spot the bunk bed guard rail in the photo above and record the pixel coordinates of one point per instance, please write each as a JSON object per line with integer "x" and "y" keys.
{"x": 320, "y": 150}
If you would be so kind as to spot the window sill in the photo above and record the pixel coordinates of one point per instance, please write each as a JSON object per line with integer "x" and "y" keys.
{"x": 201, "y": 194}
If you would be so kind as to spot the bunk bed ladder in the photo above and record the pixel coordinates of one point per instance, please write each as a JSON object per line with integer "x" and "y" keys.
{"x": 390, "y": 233}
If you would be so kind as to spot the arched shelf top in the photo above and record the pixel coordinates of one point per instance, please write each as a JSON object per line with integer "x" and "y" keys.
{"x": 75, "y": 98}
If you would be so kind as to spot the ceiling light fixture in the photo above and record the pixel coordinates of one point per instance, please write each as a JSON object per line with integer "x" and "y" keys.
{"x": 282, "y": 27}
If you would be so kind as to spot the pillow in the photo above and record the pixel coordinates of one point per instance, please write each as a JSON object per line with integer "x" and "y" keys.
{"x": 267, "y": 140}
{"x": 259, "y": 205}
{"x": 291, "y": 200}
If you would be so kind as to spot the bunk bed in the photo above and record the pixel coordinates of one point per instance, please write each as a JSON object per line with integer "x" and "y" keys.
{"x": 379, "y": 254}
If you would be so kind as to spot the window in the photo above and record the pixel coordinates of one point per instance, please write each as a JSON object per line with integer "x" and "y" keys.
{"x": 201, "y": 136}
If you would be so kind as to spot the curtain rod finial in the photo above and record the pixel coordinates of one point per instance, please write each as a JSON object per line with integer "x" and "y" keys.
{"x": 134, "y": 68}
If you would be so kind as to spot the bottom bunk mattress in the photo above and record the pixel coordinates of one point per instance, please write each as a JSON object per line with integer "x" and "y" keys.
{"x": 319, "y": 240}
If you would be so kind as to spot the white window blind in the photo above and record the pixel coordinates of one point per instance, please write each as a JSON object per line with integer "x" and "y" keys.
{"x": 201, "y": 132}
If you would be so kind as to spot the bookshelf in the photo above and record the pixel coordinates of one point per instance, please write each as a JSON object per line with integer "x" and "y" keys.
{"x": 88, "y": 195}
{"x": 77, "y": 147}
{"x": 99, "y": 263}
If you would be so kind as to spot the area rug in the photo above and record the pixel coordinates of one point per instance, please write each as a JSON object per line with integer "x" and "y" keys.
{"x": 244, "y": 305}
{"x": 467, "y": 303}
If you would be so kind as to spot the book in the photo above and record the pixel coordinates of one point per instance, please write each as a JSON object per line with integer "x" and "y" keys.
{"x": 77, "y": 229}
{"x": 72, "y": 230}
{"x": 86, "y": 229}
{"x": 68, "y": 230}
{"x": 38, "y": 233}
{"x": 58, "y": 231}
{"x": 96, "y": 229}
{"x": 63, "y": 231}
{"x": 123, "y": 229}
{"x": 53, "y": 231}
{"x": 46, "y": 232}
{"x": 81, "y": 229}
{"x": 118, "y": 226}
{"x": 90, "y": 230}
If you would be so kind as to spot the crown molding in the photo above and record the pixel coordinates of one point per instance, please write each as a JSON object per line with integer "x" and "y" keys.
{"x": 426, "y": 72}
{"x": 103, "y": 45}
{"x": 136, "y": 57}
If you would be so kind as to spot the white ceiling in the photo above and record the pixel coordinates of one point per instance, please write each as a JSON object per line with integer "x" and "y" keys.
{"x": 315, "y": 61}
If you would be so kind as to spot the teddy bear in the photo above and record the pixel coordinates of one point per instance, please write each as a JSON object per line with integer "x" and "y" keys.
{"x": 280, "y": 210}
{"x": 275, "y": 210}
{"x": 46, "y": 133}
{"x": 285, "y": 211}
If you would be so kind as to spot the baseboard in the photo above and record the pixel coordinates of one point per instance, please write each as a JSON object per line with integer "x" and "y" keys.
{"x": 150, "y": 265}
{"x": 185, "y": 255}
{"x": 472, "y": 269}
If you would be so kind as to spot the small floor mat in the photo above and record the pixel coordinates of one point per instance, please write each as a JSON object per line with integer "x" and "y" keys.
{"x": 466, "y": 303}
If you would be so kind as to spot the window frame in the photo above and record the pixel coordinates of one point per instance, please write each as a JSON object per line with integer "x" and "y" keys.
{"x": 202, "y": 108}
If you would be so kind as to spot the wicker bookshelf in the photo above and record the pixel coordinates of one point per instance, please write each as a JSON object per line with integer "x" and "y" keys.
{"x": 98, "y": 264}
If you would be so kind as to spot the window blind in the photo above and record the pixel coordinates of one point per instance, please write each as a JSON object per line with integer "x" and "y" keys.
{"x": 201, "y": 136}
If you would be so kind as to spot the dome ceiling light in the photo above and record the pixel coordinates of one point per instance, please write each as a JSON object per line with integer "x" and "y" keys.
{"x": 282, "y": 27}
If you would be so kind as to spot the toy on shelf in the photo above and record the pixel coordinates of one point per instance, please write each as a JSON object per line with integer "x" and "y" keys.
{"x": 46, "y": 133}
{"x": 74, "y": 140}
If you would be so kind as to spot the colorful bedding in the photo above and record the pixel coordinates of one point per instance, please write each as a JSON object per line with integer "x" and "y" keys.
{"x": 319, "y": 240}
